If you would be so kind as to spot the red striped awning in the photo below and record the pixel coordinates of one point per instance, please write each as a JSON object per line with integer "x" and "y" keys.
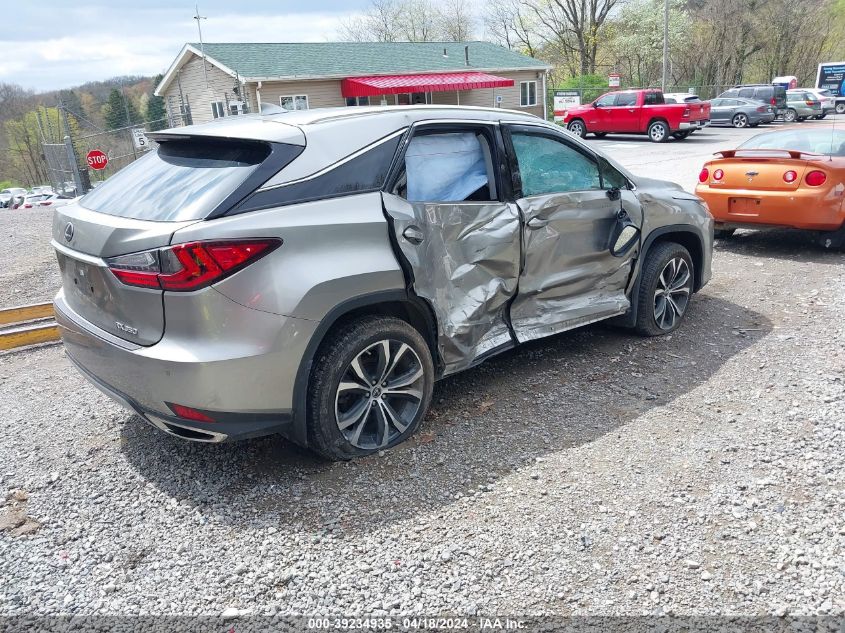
{"x": 436, "y": 82}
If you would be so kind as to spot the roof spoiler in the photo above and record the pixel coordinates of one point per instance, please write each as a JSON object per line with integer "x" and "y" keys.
{"x": 793, "y": 153}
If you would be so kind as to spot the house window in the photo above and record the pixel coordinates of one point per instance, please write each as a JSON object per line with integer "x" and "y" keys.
{"x": 413, "y": 98}
{"x": 527, "y": 93}
{"x": 218, "y": 109}
{"x": 238, "y": 107}
{"x": 357, "y": 101}
{"x": 294, "y": 102}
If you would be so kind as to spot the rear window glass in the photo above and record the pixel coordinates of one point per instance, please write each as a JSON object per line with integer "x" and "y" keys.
{"x": 180, "y": 180}
{"x": 813, "y": 141}
{"x": 655, "y": 98}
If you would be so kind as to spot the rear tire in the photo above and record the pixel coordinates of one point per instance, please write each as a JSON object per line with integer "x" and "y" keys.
{"x": 790, "y": 115}
{"x": 840, "y": 108}
{"x": 658, "y": 131}
{"x": 577, "y": 127}
{"x": 666, "y": 285}
{"x": 740, "y": 120}
{"x": 681, "y": 135}
{"x": 370, "y": 388}
{"x": 599, "y": 134}
{"x": 801, "y": 119}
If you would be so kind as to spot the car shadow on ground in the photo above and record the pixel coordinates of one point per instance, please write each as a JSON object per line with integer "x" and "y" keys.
{"x": 787, "y": 244}
{"x": 546, "y": 396}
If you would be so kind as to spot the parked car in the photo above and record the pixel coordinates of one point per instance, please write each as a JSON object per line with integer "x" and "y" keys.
{"x": 740, "y": 112}
{"x": 33, "y": 200}
{"x": 800, "y": 105}
{"x": 637, "y": 112}
{"x": 6, "y": 195}
{"x": 827, "y": 100}
{"x": 55, "y": 200}
{"x": 680, "y": 97}
{"x": 791, "y": 178}
{"x": 767, "y": 93}
{"x": 315, "y": 276}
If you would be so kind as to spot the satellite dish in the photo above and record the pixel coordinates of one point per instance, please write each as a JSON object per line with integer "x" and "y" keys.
{"x": 270, "y": 108}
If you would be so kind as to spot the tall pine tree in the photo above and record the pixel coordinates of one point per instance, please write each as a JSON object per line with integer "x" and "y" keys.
{"x": 116, "y": 111}
{"x": 156, "y": 110}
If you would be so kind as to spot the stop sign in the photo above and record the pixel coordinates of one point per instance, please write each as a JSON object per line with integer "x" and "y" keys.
{"x": 97, "y": 159}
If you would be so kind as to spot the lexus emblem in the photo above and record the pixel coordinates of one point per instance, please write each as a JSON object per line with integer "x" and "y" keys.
{"x": 69, "y": 231}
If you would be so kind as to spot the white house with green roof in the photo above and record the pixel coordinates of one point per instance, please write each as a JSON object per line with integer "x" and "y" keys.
{"x": 235, "y": 78}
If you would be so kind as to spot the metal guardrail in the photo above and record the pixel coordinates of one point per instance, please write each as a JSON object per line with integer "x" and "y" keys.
{"x": 27, "y": 325}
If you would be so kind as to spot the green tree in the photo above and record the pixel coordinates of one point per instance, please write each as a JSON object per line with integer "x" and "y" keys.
{"x": 117, "y": 110}
{"x": 156, "y": 111}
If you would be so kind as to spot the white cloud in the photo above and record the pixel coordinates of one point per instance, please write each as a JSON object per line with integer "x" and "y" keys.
{"x": 88, "y": 54}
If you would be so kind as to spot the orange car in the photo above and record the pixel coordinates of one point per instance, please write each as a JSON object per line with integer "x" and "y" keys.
{"x": 789, "y": 178}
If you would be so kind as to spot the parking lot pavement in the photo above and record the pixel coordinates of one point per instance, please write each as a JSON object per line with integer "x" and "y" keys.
{"x": 592, "y": 473}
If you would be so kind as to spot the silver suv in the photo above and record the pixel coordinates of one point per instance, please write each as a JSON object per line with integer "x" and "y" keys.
{"x": 313, "y": 273}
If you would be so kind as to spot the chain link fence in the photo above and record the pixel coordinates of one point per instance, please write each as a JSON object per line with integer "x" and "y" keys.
{"x": 85, "y": 160}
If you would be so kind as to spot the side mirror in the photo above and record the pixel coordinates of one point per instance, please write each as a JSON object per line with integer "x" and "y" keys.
{"x": 624, "y": 234}
{"x": 595, "y": 104}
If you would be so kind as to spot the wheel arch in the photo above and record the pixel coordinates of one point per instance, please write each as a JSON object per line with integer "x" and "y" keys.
{"x": 685, "y": 235}
{"x": 397, "y": 303}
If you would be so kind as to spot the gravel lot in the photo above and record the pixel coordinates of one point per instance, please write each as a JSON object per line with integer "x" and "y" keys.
{"x": 592, "y": 473}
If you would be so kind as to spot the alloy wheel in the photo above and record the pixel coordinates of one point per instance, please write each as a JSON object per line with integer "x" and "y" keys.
{"x": 658, "y": 132}
{"x": 577, "y": 128}
{"x": 672, "y": 294}
{"x": 790, "y": 116}
{"x": 740, "y": 120}
{"x": 379, "y": 394}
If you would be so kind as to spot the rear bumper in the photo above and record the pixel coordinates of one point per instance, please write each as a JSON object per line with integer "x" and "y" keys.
{"x": 693, "y": 125}
{"x": 242, "y": 374}
{"x": 799, "y": 209}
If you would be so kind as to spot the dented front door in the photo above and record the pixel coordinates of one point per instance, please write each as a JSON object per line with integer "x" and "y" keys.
{"x": 569, "y": 277}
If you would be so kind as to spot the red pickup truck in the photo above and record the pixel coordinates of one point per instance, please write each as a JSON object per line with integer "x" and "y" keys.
{"x": 637, "y": 112}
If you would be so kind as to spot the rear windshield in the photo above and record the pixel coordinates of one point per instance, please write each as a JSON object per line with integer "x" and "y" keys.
{"x": 812, "y": 141}
{"x": 180, "y": 180}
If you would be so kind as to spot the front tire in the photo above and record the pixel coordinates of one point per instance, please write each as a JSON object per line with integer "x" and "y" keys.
{"x": 666, "y": 285}
{"x": 790, "y": 115}
{"x": 577, "y": 127}
{"x": 658, "y": 131}
{"x": 370, "y": 388}
{"x": 740, "y": 120}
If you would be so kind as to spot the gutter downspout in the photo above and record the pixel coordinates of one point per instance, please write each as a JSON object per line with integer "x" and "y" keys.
{"x": 258, "y": 95}
{"x": 545, "y": 98}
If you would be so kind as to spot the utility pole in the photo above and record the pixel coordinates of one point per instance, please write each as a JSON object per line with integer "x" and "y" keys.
{"x": 199, "y": 17}
{"x": 665, "y": 44}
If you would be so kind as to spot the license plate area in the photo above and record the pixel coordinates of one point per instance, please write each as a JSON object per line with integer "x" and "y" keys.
{"x": 82, "y": 279}
{"x": 744, "y": 206}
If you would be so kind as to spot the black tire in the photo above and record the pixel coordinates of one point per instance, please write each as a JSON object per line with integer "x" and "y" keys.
{"x": 599, "y": 134}
{"x": 657, "y": 259}
{"x": 740, "y": 120}
{"x": 658, "y": 131}
{"x": 801, "y": 119}
{"x": 681, "y": 135}
{"x": 577, "y": 127}
{"x": 821, "y": 116}
{"x": 334, "y": 360}
{"x": 723, "y": 234}
{"x": 790, "y": 115}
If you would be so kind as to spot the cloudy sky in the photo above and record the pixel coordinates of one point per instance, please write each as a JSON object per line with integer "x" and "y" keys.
{"x": 49, "y": 44}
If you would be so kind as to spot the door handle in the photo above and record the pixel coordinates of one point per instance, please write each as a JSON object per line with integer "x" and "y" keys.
{"x": 631, "y": 110}
{"x": 413, "y": 234}
{"x": 537, "y": 223}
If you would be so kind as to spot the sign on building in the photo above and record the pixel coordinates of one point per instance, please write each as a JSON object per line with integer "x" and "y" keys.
{"x": 139, "y": 138}
{"x": 563, "y": 100}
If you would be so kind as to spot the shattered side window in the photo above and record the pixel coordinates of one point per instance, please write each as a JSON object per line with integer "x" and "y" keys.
{"x": 547, "y": 165}
{"x": 448, "y": 167}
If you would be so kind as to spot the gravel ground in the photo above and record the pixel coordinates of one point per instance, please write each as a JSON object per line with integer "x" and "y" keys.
{"x": 591, "y": 473}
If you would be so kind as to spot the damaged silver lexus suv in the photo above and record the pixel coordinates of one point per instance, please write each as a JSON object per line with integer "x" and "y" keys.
{"x": 313, "y": 273}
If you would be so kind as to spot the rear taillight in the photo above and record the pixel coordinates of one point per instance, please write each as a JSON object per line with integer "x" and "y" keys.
{"x": 810, "y": 103}
{"x": 191, "y": 266}
{"x": 687, "y": 112}
{"x": 703, "y": 175}
{"x": 718, "y": 174}
{"x": 815, "y": 178}
{"x": 774, "y": 101}
{"x": 790, "y": 176}
{"x": 763, "y": 109}
{"x": 189, "y": 413}
{"x": 27, "y": 206}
